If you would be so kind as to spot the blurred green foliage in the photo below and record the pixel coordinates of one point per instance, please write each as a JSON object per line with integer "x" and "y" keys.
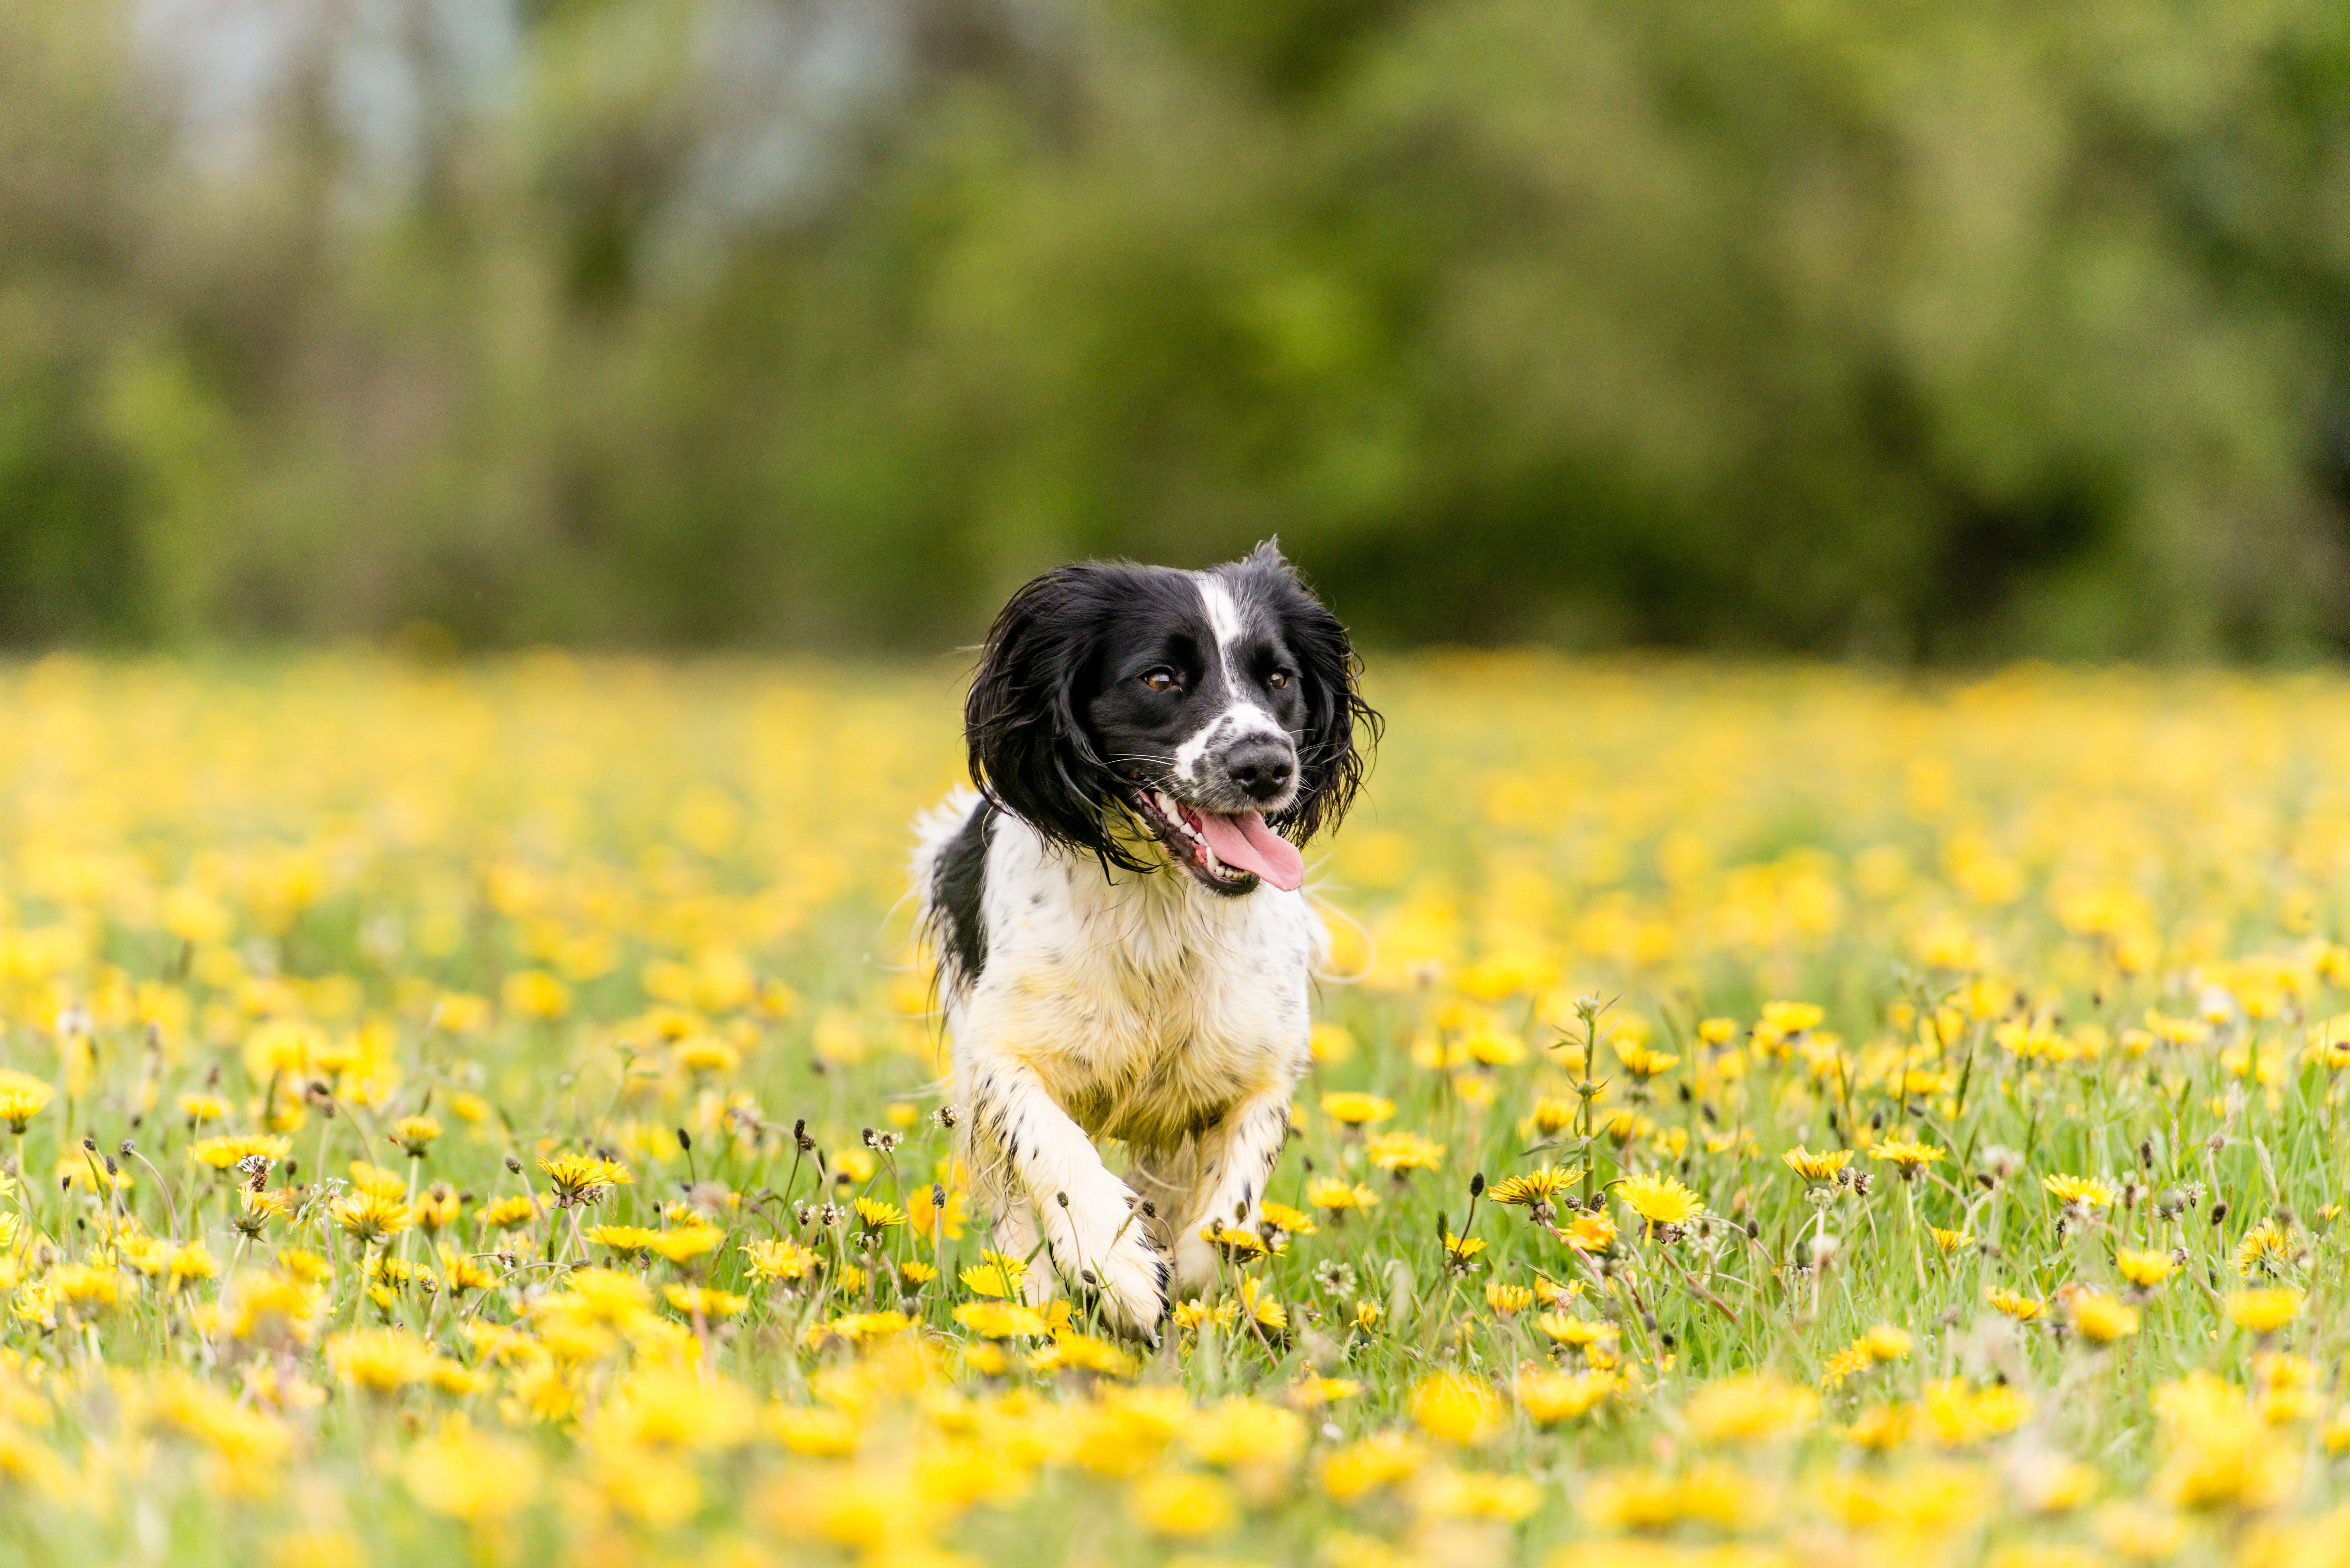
{"x": 1955, "y": 328}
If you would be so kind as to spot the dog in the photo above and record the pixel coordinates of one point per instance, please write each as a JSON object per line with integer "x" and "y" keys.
{"x": 1124, "y": 948}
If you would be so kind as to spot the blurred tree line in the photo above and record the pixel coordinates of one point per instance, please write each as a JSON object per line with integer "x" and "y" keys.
{"x": 1947, "y": 329}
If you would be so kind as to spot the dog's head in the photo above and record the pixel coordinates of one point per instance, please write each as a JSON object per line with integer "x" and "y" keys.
{"x": 1212, "y": 712}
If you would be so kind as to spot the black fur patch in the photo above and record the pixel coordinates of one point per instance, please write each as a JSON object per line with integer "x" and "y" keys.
{"x": 959, "y": 885}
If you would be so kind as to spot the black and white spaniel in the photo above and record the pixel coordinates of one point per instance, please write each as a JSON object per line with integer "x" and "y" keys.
{"x": 1123, "y": 947}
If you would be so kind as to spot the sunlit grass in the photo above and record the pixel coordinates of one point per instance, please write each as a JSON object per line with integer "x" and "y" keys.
{"x": 496, "y": 1112}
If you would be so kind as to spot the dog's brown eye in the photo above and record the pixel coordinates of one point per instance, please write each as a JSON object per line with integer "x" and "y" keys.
{"x": 1160, "y": 679}
{"x": 1278, "y": 680}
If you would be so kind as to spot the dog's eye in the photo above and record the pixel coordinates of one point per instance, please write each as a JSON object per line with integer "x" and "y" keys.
{"x": 1160, "y": 679}
{"x": 1279, "y": 680}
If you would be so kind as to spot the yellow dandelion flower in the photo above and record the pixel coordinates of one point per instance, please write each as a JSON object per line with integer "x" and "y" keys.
{"x": 1750, "y": 1406}
{"x": 1340, "y": 1197}
{"x": 22, "y": 1097}
{"x": 1551, "y": 1398}
{"x": 685, "y": 1242}
{"x": 997, "y": 1274}
{"x": 703, "y": 1301}
{"x": 371, "y": 1218}
{"x": 2088, "y": 1191}
{"x": 1816, "y": 1166}
{"x": 1660, "y": 1200}
{"x": 1401, "y": 1153}
{"x": 873, "y": 1214}
{"x": 1643, "y": 1062}
{"x": 2014, "y": 1304}
{"x": 1535, "y": 1186}
{"x": 581, "y": 1179}
{"x": 1357, "y": 1109}
{"x": 1907, "y": 1155}
{"x": 2264, "y": 1311}
{"x": 414, "y": 1134}
{"x": 506, "y": 1213}
{"x": 1508, "y": 1300}
{"x": 1282, "y": 1217}
{"x": 2266, "y": 1249}
{"x": 1237, "y": 1245}
{"x": 2145, "y": 1269}
{"x": 1457, "y": 1408}
{"x": 2099, "y": 1318}
{"x": 780, "y": 1259}
{"x": 618, "y": 1238}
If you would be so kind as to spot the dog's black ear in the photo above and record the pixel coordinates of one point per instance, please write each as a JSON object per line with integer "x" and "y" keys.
{"x": 1023, "y": 721}
{"x": 1341, "y": 729}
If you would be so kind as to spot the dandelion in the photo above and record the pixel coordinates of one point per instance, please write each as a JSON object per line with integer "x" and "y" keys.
{"x": 618, "y": 1238}
{"x": 2145, "y": 1269}
{"x": 1660, "y": 1200}
{"x": 1748, "y": 1407}
{"x": 414, "y": 1134}
{"x": 1549, "y": 1398}
{"x": 1458, "y": 1409}
{"x": 1578, "y": 1333}
{"x": 2084, "y": 1191}
{"x": 1886, "y": 1343}
{"x": 998, "y": 1275}
{"x": 874, "y": 1215}
{"x": 506, "y": 1213}
{"x": 1508, "y": 1300}
{"x": 701, "y": 1301}
{"x": 1237, "y": 1245}
{"x": 1817, "y": 1167}
{"x": 1909, "y": 1157}
{"x": 1643, "y": 1062}
{"x": 226, "y": 1153}
{"x": 2263, "y": 1312}
{"x": 1340, "y": 1197}
{"x": 380, "y": 1361}
{"x": 2099, "y": 1318}
{"x": 1291, "y": 1221}
{"x": 685, "y": 1242}
{"x": 1354, "y": 1109}
{"x": 1591, "y": 1233}
{"x": 580, "y": 1179}
{"x": 2019, "y": 1307}
{"x": 2265, "y": 1249}
{"x": 780, "y": 1259}
{"x": 1553, "y": 1115}
{"x": 1401, "y": 1153}
{"x": 371, "y": 1218}
{"x": 1535, "y": 1188}
{"x": 1192, "y": 1315}
{"x": 22, "y": 1097}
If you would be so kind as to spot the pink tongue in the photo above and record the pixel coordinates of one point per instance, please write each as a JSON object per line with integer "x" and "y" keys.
{"x": 1245, "y": 843}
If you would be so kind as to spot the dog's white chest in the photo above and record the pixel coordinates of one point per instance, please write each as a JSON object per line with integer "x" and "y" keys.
{"x": 1147, "y": 1007}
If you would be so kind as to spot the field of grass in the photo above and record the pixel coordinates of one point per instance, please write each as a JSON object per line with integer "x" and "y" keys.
{"x": 1760, "y": 1116}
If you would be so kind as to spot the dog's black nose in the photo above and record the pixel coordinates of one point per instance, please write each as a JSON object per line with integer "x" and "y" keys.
{"x": 1263, "y": 765}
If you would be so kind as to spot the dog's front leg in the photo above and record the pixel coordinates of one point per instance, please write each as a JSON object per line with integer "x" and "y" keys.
{"x": 1086, "y": 1217}
{"x": 1233, "y": 1163}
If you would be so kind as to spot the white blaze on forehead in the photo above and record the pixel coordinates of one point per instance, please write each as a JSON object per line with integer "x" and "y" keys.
{"x": 1223, "y": 616}
{"x": 1240, "y": 715}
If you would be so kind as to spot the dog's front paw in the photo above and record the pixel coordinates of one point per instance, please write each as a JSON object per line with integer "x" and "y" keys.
{"x": 1110, "y": 1255}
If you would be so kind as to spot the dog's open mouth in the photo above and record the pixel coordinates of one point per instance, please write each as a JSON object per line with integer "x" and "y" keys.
{"x": 1228, "y": 853}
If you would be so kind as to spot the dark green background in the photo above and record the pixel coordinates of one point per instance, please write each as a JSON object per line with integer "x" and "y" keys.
{"x": 1926, "y": 329}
